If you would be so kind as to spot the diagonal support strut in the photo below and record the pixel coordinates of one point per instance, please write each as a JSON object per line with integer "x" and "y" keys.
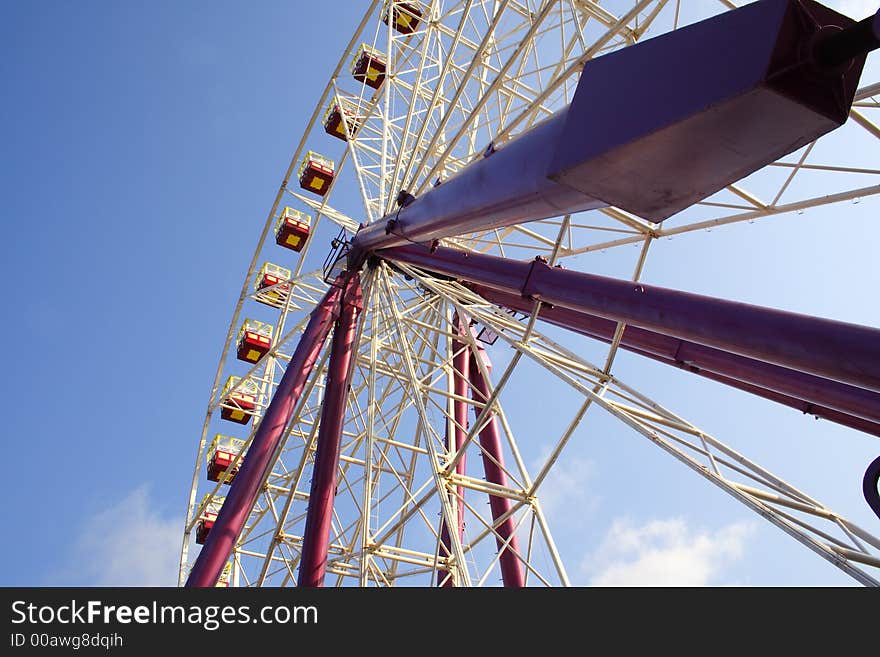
{"x": 256, "y": 462}
{"x": 313, "y": 563}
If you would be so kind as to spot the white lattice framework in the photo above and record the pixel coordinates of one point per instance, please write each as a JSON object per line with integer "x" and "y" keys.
{"x": 477, "y": 72}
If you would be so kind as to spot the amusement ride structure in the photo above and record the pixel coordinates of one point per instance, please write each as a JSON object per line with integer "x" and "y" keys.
{"x": 356, "y": 432}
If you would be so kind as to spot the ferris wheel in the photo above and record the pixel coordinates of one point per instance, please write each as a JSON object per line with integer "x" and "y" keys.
{"x": 420, "y": 279}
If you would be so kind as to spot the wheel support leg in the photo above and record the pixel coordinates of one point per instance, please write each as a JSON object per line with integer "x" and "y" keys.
{"x": 316, "y": 539}
{"x": 461, "y": 365}
{"x": 246, "y": 486}
{"x": 493, "y": 462}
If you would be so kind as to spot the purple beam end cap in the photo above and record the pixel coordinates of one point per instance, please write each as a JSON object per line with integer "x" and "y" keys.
{"x": 658, "y": 126}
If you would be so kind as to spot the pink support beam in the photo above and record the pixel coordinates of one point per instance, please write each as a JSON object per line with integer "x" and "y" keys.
{"x": 256, "y": 462}
{"x": 316, "y": 538}
{"x": 814, "y": 393}
{"x": 802, "y": 405}
{"x": 493, "y": 463}
{"x": 461, "y": 364}
{"x": 839, "y": 351}
{"x": 805, "y": 407}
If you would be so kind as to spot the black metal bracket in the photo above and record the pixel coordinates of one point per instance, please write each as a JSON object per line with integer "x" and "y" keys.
{"x": 336, "y": 261}
{"x": 869, "y": 486}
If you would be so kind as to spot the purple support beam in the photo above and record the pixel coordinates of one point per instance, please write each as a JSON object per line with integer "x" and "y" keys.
{"x": 507, "y": 187}
{"x": 493, "y": 463}
{"x": 674, "y": 133}
{"x": 704, "y": 106}
{"x": 846, "y": 399}
{"x": 843, "y": 45}
{"x": 461, "y": 363}
{"x": 805, "y": 407}
{"x": 256, "y": 462}
{"x": 596, "y": 327}
{"x": 843, "y": 352}
{"x": 316, "y": 538}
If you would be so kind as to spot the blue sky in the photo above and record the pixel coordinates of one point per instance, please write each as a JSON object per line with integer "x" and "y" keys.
{"x": 143, "y": 144}
{"x": 142, "y": 147}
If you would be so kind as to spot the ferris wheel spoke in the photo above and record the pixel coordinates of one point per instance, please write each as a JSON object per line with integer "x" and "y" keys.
{"x": 505, "y": 548}
{"x": 585, "y": 243}
{"x": 287, "y": 483}
{"x": 446, "y": 509}
{"x": 356, "y": 414}
{"x": 486, "y": 95}
{"x": 321, "y": 207}
{"x": 621, "y": 326}
{"x": 437, "y": 99}
{"x": 415, "y": 93}
{"x": 439, "y": 130}
{"x": 566, "y": 74}
{"x": 781, "y": 493}
{"x": 519, "y": 481}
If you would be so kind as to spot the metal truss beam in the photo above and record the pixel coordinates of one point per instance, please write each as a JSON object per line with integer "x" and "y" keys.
{"x": 456, "y": 433}
{"x": 835, "y": 538}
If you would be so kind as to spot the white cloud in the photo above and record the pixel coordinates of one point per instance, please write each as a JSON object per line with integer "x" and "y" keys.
{"x": 664, "y": 553}
{"x": 127, "y": 544}
{"x": 567, "y": 487}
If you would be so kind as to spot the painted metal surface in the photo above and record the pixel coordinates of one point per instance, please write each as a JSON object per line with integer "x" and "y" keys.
{"x": 678, "y": 130}
{"x": 841, "y": 46}
{"x": 461, "y": 364}
{"x": 313, "y": 562}
{"x": 506, "y": 186}
{"x": 812, "y": 391}
{"x": 493, "y": 464}
{"x": 869, "y": 486}
{"x": 256, "y": 463}
{"x": 838, "y": 351}
{"x": 674, "y": 134}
